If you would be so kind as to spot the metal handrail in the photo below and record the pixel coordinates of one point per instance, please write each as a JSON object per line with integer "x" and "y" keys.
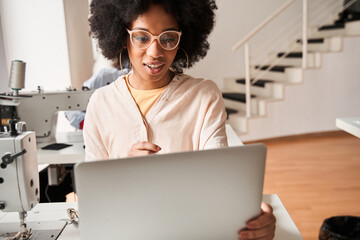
{"x": 275, "y": 60}
{"x": 262, "y": 25}
{"x": 271, "y": 63}
{"x": 246, "y": 41}
{"x": 323, "y": 14}
{"x": 283, "y": 31}
{"x": 274, "y": 36}
{"x": 336, "y": 8}
{"x": 288, "y": 32}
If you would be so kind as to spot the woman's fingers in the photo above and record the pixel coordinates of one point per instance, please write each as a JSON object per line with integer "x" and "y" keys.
{"x": 267, "y": 232}
{"x": 143, "y": 148}
{"x": 262, "y": 227}
{"x": 147, "y": 146}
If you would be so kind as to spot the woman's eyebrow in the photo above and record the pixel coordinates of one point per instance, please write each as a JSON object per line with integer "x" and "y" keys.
{"x": 170, "y": 29}
{"x": 147, "y": 30}
{"x": 139, "y": 28}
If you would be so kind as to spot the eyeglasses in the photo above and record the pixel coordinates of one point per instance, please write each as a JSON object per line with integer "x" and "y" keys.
{"x": 141, "y": 39}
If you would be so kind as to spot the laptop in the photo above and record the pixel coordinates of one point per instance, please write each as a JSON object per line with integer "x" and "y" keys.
{"x": 200, "y": 195}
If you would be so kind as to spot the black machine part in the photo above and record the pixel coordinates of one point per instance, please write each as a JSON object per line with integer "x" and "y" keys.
{"x": 6, "y": 114}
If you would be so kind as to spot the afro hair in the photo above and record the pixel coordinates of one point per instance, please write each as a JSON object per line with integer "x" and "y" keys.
{"x": 109, "y": 20}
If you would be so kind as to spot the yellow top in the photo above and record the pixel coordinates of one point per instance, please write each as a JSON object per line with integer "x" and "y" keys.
{"x": 144, "y": 98}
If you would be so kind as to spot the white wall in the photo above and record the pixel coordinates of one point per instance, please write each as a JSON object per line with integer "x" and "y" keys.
{"x": 35, "y": 33}
{"x": 81, "y": 59}
{"x": 52, "y": 38}
{"x": 3, "y": 69}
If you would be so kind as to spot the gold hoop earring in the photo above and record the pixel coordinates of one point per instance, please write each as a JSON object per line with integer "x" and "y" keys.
{"x": 120, "y": 62}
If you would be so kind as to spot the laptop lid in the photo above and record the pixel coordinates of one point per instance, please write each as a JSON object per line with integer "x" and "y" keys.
{"x": 201, "y": 195}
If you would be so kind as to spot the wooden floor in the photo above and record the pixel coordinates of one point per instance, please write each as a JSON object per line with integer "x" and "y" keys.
{"x": 316, "y": 176}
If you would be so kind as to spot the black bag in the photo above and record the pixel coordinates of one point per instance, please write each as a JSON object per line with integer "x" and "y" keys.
{"x": 340, "y": 228}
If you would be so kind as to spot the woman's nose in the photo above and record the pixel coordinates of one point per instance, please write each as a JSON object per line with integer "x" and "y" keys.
{"x": 155, "y": 50}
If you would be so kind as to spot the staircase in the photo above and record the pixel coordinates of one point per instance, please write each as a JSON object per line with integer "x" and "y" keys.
{"x": 287, "y": 71}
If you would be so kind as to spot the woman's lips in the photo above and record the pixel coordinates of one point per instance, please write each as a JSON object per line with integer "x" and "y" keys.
{"x": 154, "y": 68}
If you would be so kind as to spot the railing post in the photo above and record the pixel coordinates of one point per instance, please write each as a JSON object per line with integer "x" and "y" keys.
{"x": 304, "y": 34}
{"x": 247, "y": 79}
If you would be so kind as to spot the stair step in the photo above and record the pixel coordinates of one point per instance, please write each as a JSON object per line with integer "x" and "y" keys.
{"x": 240, "y": 97}
{"x": 292, "y": 74}
{"x": 312, "y": 40}
{"x": 332, "y": 26}
{"x": 321, "y": 44}
{"x": 291, "y": 54}
{"x": 277, "y": 68}
{"x": 352, "y": 28}
{"x": 295, "y": 59}
{"x": 260, "y": 88}
{"x": 230, "y": 111}
{"x": 258, "y": 83}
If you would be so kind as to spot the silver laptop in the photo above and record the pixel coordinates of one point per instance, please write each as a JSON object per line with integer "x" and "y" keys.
{"x": 201, "y": 195}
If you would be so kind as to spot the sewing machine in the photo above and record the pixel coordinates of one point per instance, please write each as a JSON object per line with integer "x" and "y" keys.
{"x": 19, "y": 186}
{"x": 39, "y": 109}
{"x": 19, "y": 174}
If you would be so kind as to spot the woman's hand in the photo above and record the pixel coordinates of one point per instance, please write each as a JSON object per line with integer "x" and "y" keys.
{"x": 143, "y": 148}
{"x": 262, "y": 227}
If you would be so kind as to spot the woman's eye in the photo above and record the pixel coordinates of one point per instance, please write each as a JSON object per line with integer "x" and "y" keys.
{"x": 167, "y": 40}
{"x": 141, "y": 38}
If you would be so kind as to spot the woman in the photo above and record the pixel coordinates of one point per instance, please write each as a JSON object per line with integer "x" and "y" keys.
{"x": 156, "y": 108}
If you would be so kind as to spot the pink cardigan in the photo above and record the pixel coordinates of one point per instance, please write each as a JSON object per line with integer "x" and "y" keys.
{"x": 189, "y": 115}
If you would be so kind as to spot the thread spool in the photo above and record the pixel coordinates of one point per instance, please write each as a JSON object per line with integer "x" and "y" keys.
{"x": 17, "y": 76}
